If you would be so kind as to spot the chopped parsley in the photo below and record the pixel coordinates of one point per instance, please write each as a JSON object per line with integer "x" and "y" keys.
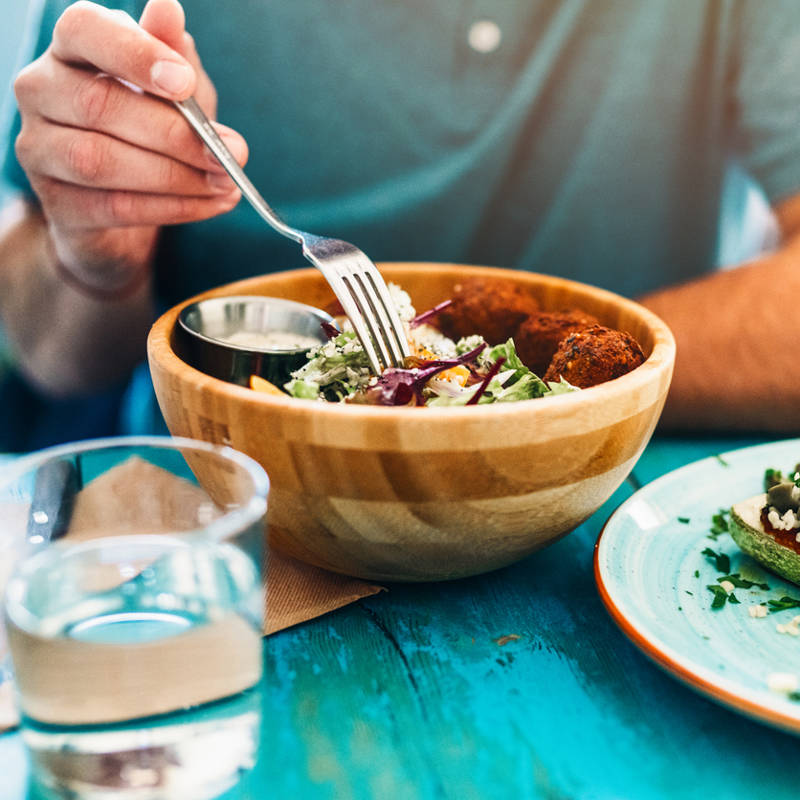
{"x": 721, "y": 561}
{"x": 784, "y": 603}
{"x": 721, "y": 460}
{"x": 684, "y": 520}
{"x": 720, "y": 596}
{"x": 719, "y": 523}
{"x": 743, "y": 583}
{"x": 772, "y": 477}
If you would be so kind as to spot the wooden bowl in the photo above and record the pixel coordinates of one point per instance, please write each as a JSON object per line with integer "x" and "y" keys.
{"x": 403, "y": 494}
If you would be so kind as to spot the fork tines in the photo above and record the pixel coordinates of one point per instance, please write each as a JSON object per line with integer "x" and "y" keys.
{"x": 378, "y": 310}
{"x": 366, "y": 300}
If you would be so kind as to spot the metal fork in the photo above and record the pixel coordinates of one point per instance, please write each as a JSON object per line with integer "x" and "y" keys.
{"x": 355, "y": 280}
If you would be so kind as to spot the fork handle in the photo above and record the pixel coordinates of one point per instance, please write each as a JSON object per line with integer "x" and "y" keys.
{"x": 202, "y": 126}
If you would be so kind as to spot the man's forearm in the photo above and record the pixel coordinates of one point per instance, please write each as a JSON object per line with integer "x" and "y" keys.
{"x": 736, "y": 330}
{"x": 65, "y": 341}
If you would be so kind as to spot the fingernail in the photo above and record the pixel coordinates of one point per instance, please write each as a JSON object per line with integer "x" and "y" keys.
{"x": 170, "y": 76}
{"x": 220, "y": 183}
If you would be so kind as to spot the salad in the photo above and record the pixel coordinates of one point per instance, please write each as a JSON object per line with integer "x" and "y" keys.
{"x": 440, "y": 372}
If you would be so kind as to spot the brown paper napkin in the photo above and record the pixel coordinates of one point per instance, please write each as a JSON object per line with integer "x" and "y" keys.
{"x": 296, "y": 592}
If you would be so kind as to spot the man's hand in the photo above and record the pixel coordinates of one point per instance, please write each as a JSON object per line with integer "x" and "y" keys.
{"x": 110, "y": 162}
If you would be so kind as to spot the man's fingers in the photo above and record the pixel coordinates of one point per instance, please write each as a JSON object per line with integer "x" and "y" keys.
{"x": 205, "y": 92}
{"x": 82, "y": 98}
{"x": 166, "y": 21}
{"x": 112, "y": 42}
{"x": 91, "y": 159}
{"x": 76, "y": 208}
{"x": 102, "y": 151}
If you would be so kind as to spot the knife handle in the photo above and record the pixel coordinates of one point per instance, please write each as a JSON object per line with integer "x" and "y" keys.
{"x": 55, "y": 486}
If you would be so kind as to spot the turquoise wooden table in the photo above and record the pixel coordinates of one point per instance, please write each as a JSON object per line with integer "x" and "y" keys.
{"x": 514, "y": 684}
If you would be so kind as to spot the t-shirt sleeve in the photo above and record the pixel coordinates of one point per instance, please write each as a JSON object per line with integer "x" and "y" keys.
{"x": 42, "y": 25}
{"x": 765, "y": 90}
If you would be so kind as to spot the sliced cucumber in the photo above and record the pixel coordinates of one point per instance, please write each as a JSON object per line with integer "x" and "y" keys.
{"x": 748, "y": 532}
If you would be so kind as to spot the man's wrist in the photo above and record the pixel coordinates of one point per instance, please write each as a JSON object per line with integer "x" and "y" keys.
{"x": 113, "y": 283}
{"x": 119, "y": 288}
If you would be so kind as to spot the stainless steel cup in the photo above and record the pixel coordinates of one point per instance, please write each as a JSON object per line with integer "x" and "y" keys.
{"x": 202, "y": 336}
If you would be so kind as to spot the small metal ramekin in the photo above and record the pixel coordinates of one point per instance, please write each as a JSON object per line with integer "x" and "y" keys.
{"x": 202, "y": 328}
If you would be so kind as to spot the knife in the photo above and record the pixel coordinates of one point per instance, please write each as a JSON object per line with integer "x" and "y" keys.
{"x": 55, "y": 485}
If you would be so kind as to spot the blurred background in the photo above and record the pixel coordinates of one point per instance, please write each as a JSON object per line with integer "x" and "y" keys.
{"x": 745, "y": 226}
{"x": 745, "y": 223}
{"x": 12, "y": 46}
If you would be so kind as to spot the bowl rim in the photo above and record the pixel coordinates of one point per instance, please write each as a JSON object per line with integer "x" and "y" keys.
{"x": 658, "y": 364}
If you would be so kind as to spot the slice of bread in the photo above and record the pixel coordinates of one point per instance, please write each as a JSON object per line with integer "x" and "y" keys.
{"x": 748, "y": 532}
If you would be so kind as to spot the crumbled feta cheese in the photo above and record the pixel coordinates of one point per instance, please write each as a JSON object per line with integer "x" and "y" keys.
{"x": 785, "y": 682}
{"x": 757, "y": 611}
{"x": 727, "y": 586}
{"x": 786, "y": 522}
{"x": 402, "y": 302}
{"x": 790, "y": 628}
{"x": 426, "y": 337}
{"x": 467, "y": 343}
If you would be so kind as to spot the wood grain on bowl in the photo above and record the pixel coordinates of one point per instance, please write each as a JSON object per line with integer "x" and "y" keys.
{"x": 428, "y": 493}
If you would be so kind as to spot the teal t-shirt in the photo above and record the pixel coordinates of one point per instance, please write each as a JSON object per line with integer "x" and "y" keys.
{"x": 585, "y": 138}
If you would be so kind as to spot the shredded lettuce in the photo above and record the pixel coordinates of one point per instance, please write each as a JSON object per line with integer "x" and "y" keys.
{"x": 308, "y": 390}
{"x": 515, "y": 382}
{"x": 339, "y": 370}
{"x": 522, "y": 384}
{"x": 334, "y": 371}
{"x": 561, "y": 387}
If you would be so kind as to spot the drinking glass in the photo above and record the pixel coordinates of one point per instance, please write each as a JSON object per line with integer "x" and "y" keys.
{"x": 134, "y": 613}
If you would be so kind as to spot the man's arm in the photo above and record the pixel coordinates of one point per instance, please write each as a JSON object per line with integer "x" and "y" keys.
{"x": 110, "y": 165}
{"x": 736, "y": 332}
{"x": 65, "y": 341}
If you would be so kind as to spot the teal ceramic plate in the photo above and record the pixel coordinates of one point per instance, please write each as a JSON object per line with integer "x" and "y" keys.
{"x": 653, "y": 577}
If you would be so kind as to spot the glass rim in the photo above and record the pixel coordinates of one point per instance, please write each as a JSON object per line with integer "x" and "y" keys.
{"x": 218, "y": 529}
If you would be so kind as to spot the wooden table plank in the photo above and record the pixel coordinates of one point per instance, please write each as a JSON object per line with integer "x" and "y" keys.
{"x": 417, "y": 694}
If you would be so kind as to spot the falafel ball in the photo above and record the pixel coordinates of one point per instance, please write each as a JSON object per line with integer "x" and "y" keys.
{"x": 594, "y": 355}
{"x": 491, "y": 307}
{"x": 538, "y": 337}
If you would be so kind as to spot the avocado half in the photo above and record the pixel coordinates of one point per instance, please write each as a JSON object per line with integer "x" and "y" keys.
{"x": 748, "y": 532}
